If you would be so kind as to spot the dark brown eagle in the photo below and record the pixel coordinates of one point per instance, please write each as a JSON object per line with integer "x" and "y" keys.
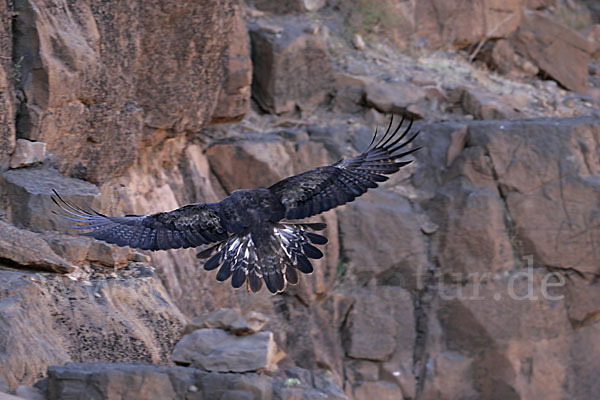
{"x": 253, "y": 243}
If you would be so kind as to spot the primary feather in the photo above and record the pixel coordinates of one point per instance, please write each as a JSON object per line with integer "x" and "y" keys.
{"x": 253, "y": 245}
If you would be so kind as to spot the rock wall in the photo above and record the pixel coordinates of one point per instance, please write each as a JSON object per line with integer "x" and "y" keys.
{"x": 469, "y": 274}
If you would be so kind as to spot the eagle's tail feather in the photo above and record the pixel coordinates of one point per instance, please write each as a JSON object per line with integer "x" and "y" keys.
{"x": 274, "y": 261}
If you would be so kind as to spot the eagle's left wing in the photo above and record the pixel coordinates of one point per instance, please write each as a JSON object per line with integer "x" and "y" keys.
{"x": 323, "y": 188}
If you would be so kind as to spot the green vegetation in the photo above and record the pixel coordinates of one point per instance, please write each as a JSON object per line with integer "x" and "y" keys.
{"x": 575, "y": 18}
{"x": 373, "y": 18}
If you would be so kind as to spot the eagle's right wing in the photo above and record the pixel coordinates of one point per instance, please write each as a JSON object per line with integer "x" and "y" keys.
{"x": 323, "y": 188}
{"x": 188, "y": 226}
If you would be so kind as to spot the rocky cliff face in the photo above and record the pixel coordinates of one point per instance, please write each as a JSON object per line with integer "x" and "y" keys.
{"x": 469, "y": 274}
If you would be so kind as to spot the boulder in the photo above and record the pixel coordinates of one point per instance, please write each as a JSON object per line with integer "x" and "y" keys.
{"x": 291, "y": 67}
{"x": 27, "y": 153}
{"x": 397, "y": 98}
{"x": 218, "y": 350}
{"x": 560, "y": 52}
{"x": 29, "y": 191}
{"x": 27, "y": 249}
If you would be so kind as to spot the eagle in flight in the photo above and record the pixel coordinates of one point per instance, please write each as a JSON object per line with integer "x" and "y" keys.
{"x": 251, "y": 236}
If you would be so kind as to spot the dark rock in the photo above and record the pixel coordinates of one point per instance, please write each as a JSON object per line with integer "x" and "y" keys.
{"x": 103, "y": 381}
{"x": 218, "y": 350}
{"x": 291, "y": 68}
{"x": 108, "y": 255}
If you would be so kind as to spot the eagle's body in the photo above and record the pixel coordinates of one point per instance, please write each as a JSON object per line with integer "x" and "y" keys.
{"x": 253, "y": 243}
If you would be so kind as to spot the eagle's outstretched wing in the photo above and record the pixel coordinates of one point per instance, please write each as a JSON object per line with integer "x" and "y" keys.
{"x": 323, "y": 188}
{"x": 189, "y": 226}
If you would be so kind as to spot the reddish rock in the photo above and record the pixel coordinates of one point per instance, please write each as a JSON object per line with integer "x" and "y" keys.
{"x": 291, "y": 68}
{"x": 450, "y": 375}
{"x": 558, "y": 51}
{"x": 592, "y": 34}
{"x": 250, "y": 164}
{"x": 220, "y": 351}
{"x": 92, "y": 85}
